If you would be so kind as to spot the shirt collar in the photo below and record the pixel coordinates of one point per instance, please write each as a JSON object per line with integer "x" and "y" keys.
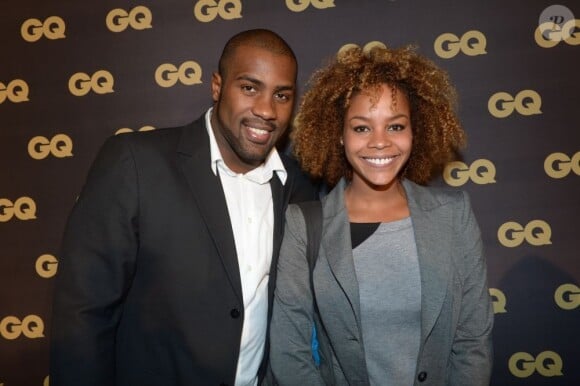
{"x": 261, "y": 174}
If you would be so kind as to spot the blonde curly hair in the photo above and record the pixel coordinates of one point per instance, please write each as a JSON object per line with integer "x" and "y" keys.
{"x": 437, "y": 133}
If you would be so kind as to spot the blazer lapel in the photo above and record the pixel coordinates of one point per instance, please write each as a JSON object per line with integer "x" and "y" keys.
{"x": 432, "y": 240}
{"x": 337, "y": 285}
{"x": 194, "y": 158}
{"x": 338, "y": 251}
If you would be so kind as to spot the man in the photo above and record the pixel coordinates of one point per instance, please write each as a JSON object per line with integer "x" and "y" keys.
{"x": 168, "y": 263}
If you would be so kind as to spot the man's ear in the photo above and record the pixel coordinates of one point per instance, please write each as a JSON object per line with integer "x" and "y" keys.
{"x": 216, "y": 86}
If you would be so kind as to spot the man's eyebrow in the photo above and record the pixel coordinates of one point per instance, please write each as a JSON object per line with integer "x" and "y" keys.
{"x": 285, "y": 88}
{"x": 248, "y": 78}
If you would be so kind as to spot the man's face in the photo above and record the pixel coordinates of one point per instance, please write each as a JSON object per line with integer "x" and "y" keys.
{"x": 253, "y": 104}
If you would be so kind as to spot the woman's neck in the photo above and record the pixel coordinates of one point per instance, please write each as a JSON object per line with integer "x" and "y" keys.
{"x": 366, "y": 203}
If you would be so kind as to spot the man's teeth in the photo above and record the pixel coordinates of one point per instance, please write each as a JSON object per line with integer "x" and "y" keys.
{"x": 379, "y": 161}
{"x": 258, "y": 131}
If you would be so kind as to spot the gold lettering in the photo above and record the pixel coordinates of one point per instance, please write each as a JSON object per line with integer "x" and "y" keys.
{"x": 46, "y": 266}
{"x": 559, "y": 165}
{"x": 207, "y": 10}
{"x": 52, "y": 28}
{"x": 498, "y": 300}
{"x": 188, "y": 73}
{"x": 16, "y": 91}
{"x": 448, "y": 45}
{"x": 567, "y": 296}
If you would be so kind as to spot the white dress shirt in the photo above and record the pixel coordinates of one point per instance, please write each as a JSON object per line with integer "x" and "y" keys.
{"x": 249, "y": 201}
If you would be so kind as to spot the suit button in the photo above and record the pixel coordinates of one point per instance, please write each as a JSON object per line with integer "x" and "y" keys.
{"x": 235, "y": 313}
{"x": 422, "y": 376}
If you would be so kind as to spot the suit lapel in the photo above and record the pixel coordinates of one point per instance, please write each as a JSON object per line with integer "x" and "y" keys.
{"x": 432, "y": 239}
{"x": 194, "y": 158}
{"x": 278, "y": 201}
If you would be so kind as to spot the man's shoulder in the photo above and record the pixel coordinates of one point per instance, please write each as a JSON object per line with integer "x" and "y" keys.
{"x": 289, "y": 162}
{"x": 193, "y": 127}
{"x": 161, "y": 137}
{"x": 300, "y": 185}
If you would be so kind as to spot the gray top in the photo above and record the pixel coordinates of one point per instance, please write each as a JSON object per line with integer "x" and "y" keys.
{"x": 387, "y": 271}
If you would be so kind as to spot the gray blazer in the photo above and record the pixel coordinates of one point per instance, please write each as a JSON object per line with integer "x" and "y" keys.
{"x": 456, "y": 312}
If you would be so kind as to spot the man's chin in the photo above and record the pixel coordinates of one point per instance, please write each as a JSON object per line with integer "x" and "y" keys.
{"x": 257, "y": 156}
{"x": 258, "y": 149}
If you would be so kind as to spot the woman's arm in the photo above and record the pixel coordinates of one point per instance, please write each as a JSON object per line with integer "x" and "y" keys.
{"x": 472, "y": 353}
{"x": 292, "y": 316}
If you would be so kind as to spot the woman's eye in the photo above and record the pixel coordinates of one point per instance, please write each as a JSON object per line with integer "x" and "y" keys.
{"x": 360, "y": 129}
{"x": 396, "y": 127}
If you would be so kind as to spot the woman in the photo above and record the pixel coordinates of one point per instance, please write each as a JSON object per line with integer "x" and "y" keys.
{"x": 400, "y": 282}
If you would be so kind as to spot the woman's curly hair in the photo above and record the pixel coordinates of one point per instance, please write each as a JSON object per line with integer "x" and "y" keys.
{"x": 437, "y": 133}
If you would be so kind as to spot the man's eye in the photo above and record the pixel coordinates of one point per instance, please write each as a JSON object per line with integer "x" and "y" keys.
{"x": 282, "y": 97}
{"x": 248, "y": 89}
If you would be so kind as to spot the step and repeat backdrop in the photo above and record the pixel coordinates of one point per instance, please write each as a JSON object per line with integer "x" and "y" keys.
{"x": 73, "y": 73}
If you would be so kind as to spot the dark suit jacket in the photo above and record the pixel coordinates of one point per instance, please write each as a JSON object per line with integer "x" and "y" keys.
{"x": 148, "y": 290}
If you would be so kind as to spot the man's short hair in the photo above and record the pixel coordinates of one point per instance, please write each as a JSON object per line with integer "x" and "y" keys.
{"x": 261, "y": 38}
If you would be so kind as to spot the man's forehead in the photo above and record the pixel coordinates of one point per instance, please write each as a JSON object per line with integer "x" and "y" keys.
{"x": 255, "y": 62}
{"x": 250, "y": 50}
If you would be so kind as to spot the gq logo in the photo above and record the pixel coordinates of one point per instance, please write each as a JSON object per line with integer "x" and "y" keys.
{"x": 128, "y": 130}
{"x": 101, "y": 82}
{"x": 367, "y": 47}
{"x": 550, "y": 34}
{"x": 559, "y": 165}
{"x": 188, "y": 73}
{"x": 498, "y": 300}
{"x": 567, "y": 296}
{"x": 481, "y": 172}
{"x": 59, "y": 146}
{"x": 23, "y": 208}
{"x": 207, "y": 10}
{"x": 52, "y": 28}
{"x": 301, "y": 5}
{"x": 448, "y": 45}
{"x": 536, "y": 232}
{"x": 46, "y": 266}
{"x": 139, "y": 18}
{"x": 526, "y": 102}
{"x": 31, "y": 327}
{"x": 16, "y": 91}
{"x": 547, "y": 364}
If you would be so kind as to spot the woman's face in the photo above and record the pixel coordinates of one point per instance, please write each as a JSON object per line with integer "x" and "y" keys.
{"x": 377, "y": 136}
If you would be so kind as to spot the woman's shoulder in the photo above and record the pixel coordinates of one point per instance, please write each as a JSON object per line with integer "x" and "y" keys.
{"x": 430, "y": 197}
